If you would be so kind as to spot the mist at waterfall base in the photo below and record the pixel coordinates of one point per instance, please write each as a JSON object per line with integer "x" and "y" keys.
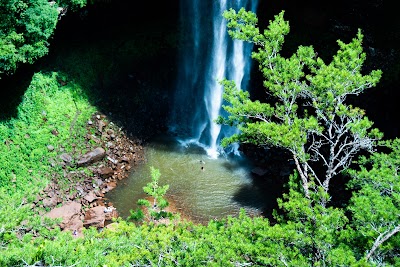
{"x": 208, "y": 55}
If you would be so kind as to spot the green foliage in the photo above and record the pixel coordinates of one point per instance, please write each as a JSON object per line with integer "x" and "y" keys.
{"x": 309, "y": 117}
{"x": 45, "y": 107}
{"x": 157, "y": 203}
{"x": 319, "y": 233}
{"x": 375, "y": 204}
{"x": 308, "y": 232}
{"x": 73, "y": 4}
{"x": 26, "y": 27}
{"x": 231, "y": 242}
{"x": 241, "y": 241}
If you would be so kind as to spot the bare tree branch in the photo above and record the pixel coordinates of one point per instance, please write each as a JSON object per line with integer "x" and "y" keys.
{"x": 381, "y": 239}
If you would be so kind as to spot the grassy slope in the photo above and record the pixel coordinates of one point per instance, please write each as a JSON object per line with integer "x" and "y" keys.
{"x": 26, "y": 160}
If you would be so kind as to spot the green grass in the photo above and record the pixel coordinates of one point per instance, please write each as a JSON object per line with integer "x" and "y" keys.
{"x": 27, "y": 164}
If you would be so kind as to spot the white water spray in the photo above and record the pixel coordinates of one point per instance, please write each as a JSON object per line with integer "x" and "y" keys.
{"x": 208, "y": 56}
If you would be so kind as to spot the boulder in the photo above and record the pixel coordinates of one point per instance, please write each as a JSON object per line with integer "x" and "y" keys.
{"x": 125, "y": 159}
{"x": 66, "y": 158}
{"x": 91, "y": 157}
{"x": 69, "y": 213}
{"x": 101, "y": 126}
{"x": 110, "y": 131}
{"x": 98, "y": 182}
{"x": 111, "y": 215}
{"x": 75, "y": 225}
{"x": 95, "y": 217}
{"x": 110, "y": 186}
{"x": 90, "y": 197}
{"x": 105, "y": 172}
{"x": 114, "y": 161}
{"x": 50, "y": 202}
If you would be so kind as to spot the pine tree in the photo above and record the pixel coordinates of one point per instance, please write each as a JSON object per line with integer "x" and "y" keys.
{"x": 310, "y": 117}
{"x": 157, "y": 203}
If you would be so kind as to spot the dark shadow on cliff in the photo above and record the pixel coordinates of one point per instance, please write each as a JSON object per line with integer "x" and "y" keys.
{"x": 12, "y": 89}
{"x": 122, "y": 54}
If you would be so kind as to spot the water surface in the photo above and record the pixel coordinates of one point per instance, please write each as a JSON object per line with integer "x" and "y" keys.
{"x": 201, "y": 188}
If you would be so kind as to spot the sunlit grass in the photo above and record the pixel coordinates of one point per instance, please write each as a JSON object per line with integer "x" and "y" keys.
{"x": 50, "y": 119}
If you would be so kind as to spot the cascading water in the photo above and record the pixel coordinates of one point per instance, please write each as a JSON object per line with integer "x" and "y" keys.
{"x": 207, "y": 56}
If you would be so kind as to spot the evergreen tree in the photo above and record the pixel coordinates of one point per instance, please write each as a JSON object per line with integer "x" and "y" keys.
{"x": 310, "y": 117}
{"x": 157, "y": 203}
{"x": 375, "y": 205}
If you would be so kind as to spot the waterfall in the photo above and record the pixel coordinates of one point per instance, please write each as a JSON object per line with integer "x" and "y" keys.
{"x": 207, "y": 55}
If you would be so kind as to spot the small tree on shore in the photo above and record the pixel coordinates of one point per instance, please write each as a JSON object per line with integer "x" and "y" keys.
{"x": 157, "y": 203}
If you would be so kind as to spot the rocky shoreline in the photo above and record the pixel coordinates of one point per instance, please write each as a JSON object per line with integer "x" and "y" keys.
{"x": 78, "y": 195}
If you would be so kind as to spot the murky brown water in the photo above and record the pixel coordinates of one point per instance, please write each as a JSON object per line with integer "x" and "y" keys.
{"x": 201, "y": 188}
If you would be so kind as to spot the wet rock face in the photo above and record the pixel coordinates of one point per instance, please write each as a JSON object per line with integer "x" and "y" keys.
{"x": 259, "y": 171}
